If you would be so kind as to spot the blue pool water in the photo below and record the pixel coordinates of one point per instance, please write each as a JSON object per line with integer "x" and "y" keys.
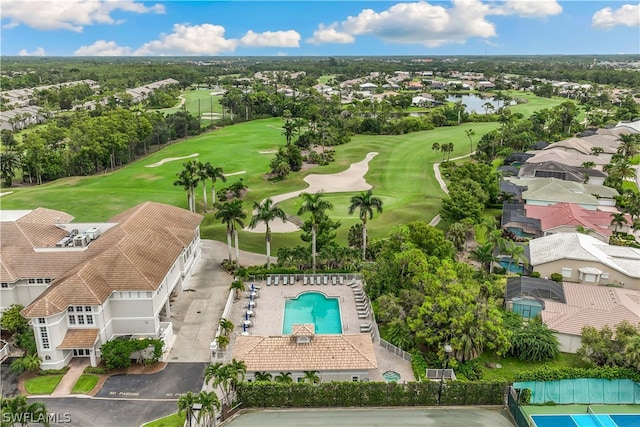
{"x": 313, "y": 307}
{"x": 586, "y": 420}
{"x": 515, "y": 268}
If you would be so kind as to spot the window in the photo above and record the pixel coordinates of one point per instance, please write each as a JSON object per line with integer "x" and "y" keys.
{"x": 39, "y": 280}
{"x": 300, "y": 379}
{"x": 604, "y": 276}
{"x": 42, "y": 320}
{"x": 566, "y": 273}
{"x": 70, "y": 309}
{"x": 4, "y": 285}
{"x": 89, "y": 319}
{"x": 87, "y": 308}
{"x": 80, "y": 319}
{"x": 47, "y": 280}
{"x": 355, "y": 378}
{"x": 44, "y": 338}
{"x": 79, "y": 309}
{"x": 31, "y": 281}
{"x": 72, "y": 319}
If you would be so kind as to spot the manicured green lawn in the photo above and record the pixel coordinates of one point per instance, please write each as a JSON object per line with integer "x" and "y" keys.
{"x": 511, "y": 365}
{"x": 85, "y": 384}
{"x": 325, "y": 78}
{"x": 173, "y": 420}
{"x": 197, "y": 101}
{"x": 44, "y": 384}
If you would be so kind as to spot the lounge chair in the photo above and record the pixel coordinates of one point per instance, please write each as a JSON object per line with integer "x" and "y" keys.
{"x": 276, "y": 281}
{"x": 292, "y": 280}
{"x": 312, "y": 279}
{"x": 363, "y": 314}
{"x": 285, "y": 280}
{"x": 268, "y": 280}
{"x": 341, "y": 280}
{"x": 365, "y": 327}
{"x": 334, "y": 280}
{"x": 305, "y": 280}
{"x": 325, "y": 280}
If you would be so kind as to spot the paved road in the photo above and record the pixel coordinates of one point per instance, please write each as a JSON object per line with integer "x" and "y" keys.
{"x": 8, "y": 380}
{"x": 84, "y": 412}
{"x": 443, "y": 185}
{"x": 170, "y": 383}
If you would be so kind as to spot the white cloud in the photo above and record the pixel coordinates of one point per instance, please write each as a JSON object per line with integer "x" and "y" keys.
{"x": 38, "y": 52}
{"x": 329, "y": 34}
{"x": 528, "y": 8}
{"x": 289, "y": 38}
{"x": 429, "y": 24}
{"x": 607, "y": 18}
{"x": 70, "y": 15}
{"x": 205, "y": 39}
{"x": 103, "y": 48}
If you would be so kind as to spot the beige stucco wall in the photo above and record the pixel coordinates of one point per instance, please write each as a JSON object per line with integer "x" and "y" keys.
{"x": 569, "y": 343}
{"x": 573, "y": 229}
{"x": 615, "y": 276}
{"x": 325, "y": 376}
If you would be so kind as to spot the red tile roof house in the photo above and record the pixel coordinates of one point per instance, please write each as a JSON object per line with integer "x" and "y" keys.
{"x": 586, "y": 305}
{"x": 103, "y": 284}
{"x": 569, "y": 217}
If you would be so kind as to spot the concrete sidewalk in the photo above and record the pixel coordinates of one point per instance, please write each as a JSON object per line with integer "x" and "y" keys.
{"x": 76, "y": 368}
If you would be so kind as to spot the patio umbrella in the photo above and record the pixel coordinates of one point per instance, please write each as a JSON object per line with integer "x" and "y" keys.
{"x": 244, "y": 327}
{"x": 253, "y": 287}
{"x": 246, "y": 315}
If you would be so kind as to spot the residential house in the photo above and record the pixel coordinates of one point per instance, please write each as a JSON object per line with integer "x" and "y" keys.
{"x": 485, "y": 85}
{"x": 517, "y": 159}
{"x": 565, "y": 157}
{"x": 368, "y": 87}
{"x": 581, "y": 258}
{"x": 336, "y": 357}
{"x": 552, "y": 169}
{"x": 414, "y": 86}
{"x": 514, "y": 219}
{"x": 527, "y": 295}
{"x": 110, "y": 280}
{"x": 549, "y": 191}
{"x": 570, "y": 218}
{"x": 582, "y": 146}
{"x": 595, "y": 306}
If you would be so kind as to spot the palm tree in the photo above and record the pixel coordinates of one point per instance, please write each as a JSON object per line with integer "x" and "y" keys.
{"x": 238, "y": 286}
{"x": 288, "y": 130}
{"x": 223, "y": 341}
{"x": 214, "y": 173}
{"x": 231, "y": 214}
{"x": 266, "y": 212}
{"x": 311, "y": 377}
{"x": 596, "y": 150}
{"x": 262, "y": 376}
{"x": 226, "y": 326}
{"x": 315, "y": 205}
{"x": 18, "y": 408}
{"x": 470, "y": 133}
{"x": 632, "y": 352}
{"x": 618, "y": 219}
{"x": 9, "y": 162}
{"x": 29, "y": 363}
{"x": 209, "y": 404}
{"x": 515, "y": 252}
{"x": 203, "y": 174}
{"x": 435, "y": 147}
{"x": 484, "y": 255}
{"x": 366, "y": 203}
{"x": 283, "y": 377}
{"x": 629, "y": 145}
{"x": 457, "y": 235}
{"x": 185, "y": 404}
{"x": 588, "y": 165}
{"x": 188, "y": 179}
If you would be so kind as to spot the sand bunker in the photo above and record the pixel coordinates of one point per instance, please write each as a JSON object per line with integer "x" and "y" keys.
{"x": 268, "y": 151}
{"x": 234, "y": 173}
{"x": 171, "y": 159}
{"x": 6, "y": 193}
{"x": 346, "y": 181}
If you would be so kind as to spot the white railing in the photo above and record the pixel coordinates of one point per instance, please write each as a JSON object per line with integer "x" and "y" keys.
{"x": 395, "y": 350}
{"x": 4, "y": 350}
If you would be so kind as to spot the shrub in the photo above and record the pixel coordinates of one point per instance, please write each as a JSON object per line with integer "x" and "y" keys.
{"x": 471, "y": 370}
{"x": 533, "y": 341}
{"x": 13, "y": 321}
{"x": 556, "y": 277}
{"x": 418, "y": 365}
{"x": 117, "y": 353}
{"x": 546, "y": 373}
{"x": 524, "y": 397}
{"x": 94, "y": 370}
{"x": 535, "y": 274}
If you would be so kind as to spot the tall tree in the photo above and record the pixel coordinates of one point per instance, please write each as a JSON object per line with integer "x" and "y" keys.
{"x": 215, "y": 174}
{"x": 366, "y": 203}
{"x": 188, "y": 179}
{"x": 9, "y": 163}
{"x": 19, "y": 410}
{"x": 209, "y": 404}
{"x": 266, "y": 212}
{"x": 202, "y": 172}
{"x": 315, "y": 205}
{"x": 618, "y": 219}
{"x": 185, "y": 405}
{"x": 470, "y": 133}
{"x": 232, "y": 215}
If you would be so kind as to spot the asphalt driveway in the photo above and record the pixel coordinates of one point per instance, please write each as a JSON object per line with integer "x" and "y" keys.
{"x": 170, "y": 383}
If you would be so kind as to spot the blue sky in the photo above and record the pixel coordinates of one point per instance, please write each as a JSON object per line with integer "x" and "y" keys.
{"x": 293, "y": 28}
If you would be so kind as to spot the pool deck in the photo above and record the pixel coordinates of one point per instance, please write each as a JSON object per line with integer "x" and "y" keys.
{"x": 269, "y": 315}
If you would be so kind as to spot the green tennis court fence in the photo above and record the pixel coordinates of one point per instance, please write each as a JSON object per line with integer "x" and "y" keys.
{"x": 583, "y": 391}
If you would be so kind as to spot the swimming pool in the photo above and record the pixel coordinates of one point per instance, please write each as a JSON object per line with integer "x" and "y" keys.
{"x": 515, "y": 267}
{"x": 313, "y": 307}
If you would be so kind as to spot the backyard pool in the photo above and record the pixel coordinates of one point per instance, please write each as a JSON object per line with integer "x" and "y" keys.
{"x": 514, "y": 268}
{"x": 313, "y": 307}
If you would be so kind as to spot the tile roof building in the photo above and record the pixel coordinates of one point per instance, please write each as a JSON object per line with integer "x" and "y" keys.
{"x": 84, "y": 284}
{"x": 588, "y": 305}
{"x": 336, "y": 357}
{"x": 582, "y": 258}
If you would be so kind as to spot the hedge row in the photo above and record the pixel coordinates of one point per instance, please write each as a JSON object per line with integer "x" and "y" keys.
{"x": 545, "y": 373}
{"x": 349, "y": 394}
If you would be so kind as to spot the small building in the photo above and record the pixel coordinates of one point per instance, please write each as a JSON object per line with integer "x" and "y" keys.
{"x": 552, "y": 169}
{"x": 526, "y": 295}
{"x": 336, "y": 357}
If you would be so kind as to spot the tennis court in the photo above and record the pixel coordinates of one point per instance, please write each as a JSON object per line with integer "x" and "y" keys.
{"x": 590, "y": 419}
